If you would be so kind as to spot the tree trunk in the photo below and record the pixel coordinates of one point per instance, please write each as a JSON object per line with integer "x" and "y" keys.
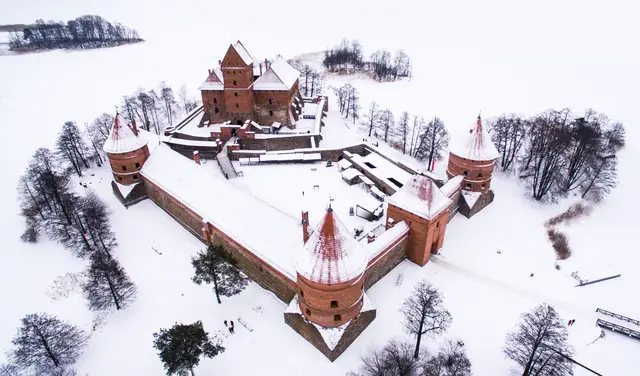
{"x": 50, "y": 353}
{"x": 417, "y": 351}
{"x": 115, "y": 297}
{"x": 215, "y": 286}
{"x": 191, "y": 370}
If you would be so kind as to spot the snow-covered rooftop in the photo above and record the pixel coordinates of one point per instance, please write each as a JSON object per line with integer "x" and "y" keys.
{"x": 122, "y": 138}
{"x": 215, "y": 81}
{"x": 190, "y": 183}
{"x": 244, "y": 54}
{"x": 422, "y": 197}
{"x": 449, "y": 187}
{"x": 382, "y": 169}
{"x": 475, "y": 145}
{"x": 331, "y": 255}
{"x": 279, "y": 76}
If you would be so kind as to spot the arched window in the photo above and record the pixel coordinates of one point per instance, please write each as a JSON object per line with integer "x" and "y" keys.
{"x": 301, "y": 293}
{"x": 468, "y": 185}
{"x": 308, "y": 312}
{"x": 235, "y": 94}
{"x": 466, "y": 173}
{"x": 215, "y": 100}
{"x": 479, "y": 174}
{"x": 270, "y": 101}
{"x": 270, "y": 113}
{"x": 334, "y": 304}
{"x": 337, "y": 317}
{"x": 484, "y": 186}
{"x": 235, "y": 83}
{"x": 135, "y": 177}
{"x": 215, "y": 110}
{"x": 237, "y": 105}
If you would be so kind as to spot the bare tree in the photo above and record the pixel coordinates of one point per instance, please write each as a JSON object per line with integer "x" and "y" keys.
{"x": 451, "y": 360}
{"x": 9, "y": 370}
{"x": 416, "y": 132}
{"x": 107, "y": 284}
{"x": 307, "y": 74}
{"x": 46, "y": 344}
{"x": 188, "y": 103}
{"x": 70, "y": 147}
{"x": 386, "y": 123}
{"x": 394, "y": 359}
{"x": 537, "y": 343}
{"x": 169, "y": 103}
{"x": 508, "y": 133}
{"x": 403, "y": 130}
{"x": 354, "y": 103}
{"x": 372, "y": 117}
{"x": 603, "y": 177}
{"x": 316, "y": 83}
{"x": 424, "y": 313}
{"x": 98, "y": 131}
{"x": 433, "y": 142}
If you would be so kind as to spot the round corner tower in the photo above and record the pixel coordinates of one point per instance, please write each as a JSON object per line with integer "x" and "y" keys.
{"x": 126, "y": 151}
{"x": 473, "y": 158}
{"x": 330, "y": 274}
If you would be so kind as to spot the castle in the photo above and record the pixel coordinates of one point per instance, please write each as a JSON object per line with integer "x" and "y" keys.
{"x": 321, "y": 271}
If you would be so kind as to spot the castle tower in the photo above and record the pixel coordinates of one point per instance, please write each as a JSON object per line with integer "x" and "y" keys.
{"x": 426, "y": 210}
{"x": 237, "y": 71}
{"x": 126, "y": 150}
{"x": 330, "y": 270}
{"x": 473, "y": 157}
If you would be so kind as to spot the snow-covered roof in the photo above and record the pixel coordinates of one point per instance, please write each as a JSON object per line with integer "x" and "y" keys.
{"x": 350, "y": 173}
{"x": 332, "y": 255}
{"x": 244, "y": 54}
{"x": 122, "y": 138}
{"x": 475, "y": 145}
{"x": 279, "y": 76}
{"x": 386, "y": 239}
{"x": 422, "y": 197}
{"x": 471, "y": 197}
{"x": 189, "y": 183}
{"x": 449, "y": 187}
{"x": 344, "y": 164}
{"x": 215, "y": 81}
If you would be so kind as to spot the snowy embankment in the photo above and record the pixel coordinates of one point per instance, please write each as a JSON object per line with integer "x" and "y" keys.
{"x": 471, "y": 64}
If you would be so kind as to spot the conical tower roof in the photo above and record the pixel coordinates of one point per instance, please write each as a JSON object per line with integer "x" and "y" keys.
{"x": 475, "y": 145}
{"x": 331, "y": 255}
{"x": 122, "y": 138}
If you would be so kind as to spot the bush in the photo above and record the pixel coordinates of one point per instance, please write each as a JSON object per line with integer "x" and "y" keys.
{"x": 575, "y": 211}
{"x": 560, "y": 244}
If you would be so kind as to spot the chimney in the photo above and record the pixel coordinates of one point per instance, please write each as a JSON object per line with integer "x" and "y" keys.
{"x": 305, "y": 226}
{"x": 371, "y": 237}
{"x": 209, "y": 72}
{"x": 196, "y": 156}
{"x": 266, "y": 65}
{"x": 220, "y": 62}
{"x": 261, "y": 69}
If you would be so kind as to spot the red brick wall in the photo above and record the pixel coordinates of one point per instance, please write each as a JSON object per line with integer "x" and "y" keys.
{"x": 422, "y": 233}
{"x": 214, "y": 99}
{"x": 385, "y": 262}
{"x": 278, "y": 110}
{"x": 315, "y": 301}
{"x": 478, "y": 173}
{"x": 259, "y": 271}
{"x": 123, "y": 165}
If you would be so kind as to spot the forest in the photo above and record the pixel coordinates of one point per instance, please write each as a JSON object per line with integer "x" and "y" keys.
{"x": 84, "y": 32}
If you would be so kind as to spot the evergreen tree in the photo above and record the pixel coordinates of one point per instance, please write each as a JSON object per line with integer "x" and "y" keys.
{"x": 46, "y": 345}
{"x": 216, "y": 267}
{"x": 181, "y": 347}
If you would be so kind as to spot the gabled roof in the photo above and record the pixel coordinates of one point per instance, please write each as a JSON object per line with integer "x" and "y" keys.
{"x": 279, "y": 76}
{"x": 122, "y": 138}
{"x": 331, "y": 255}
{"x": 422, "y": 197}
{"x": 244, "y": 54}
{"x": 475, "y": 145}
{"x": 215, "y": 81}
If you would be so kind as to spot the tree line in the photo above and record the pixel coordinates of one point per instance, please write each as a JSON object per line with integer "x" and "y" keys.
{"x": 557, "y": 153}
{"x": 424, "y": 140}
{"x": 382, "y": 65}
{"x": 88, "y": 31}
{"x": 538, "y": 345}
{"x": 310, "y": 79}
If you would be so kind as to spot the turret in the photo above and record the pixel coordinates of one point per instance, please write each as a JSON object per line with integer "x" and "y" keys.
{"x": 330, "y": 268}
{"x": 473, "y": 158}
{"x": 126, "y": 150}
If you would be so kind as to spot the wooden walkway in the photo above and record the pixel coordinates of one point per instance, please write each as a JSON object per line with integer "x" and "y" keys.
{"x": 617, "y": 316}
{"x": 617, "y": 328}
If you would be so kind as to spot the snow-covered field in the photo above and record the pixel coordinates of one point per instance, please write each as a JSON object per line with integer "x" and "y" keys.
{"x": 494, "y": 56}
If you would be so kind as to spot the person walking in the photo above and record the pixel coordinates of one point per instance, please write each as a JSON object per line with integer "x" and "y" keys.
{"x": 232, "y": 328}
{"x": 225, "y": 323}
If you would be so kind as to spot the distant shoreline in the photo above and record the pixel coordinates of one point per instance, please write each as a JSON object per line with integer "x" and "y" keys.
{"x": 14, "y": 27}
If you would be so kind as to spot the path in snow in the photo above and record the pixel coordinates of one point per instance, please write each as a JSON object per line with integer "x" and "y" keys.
{"x": 224, "y": 162}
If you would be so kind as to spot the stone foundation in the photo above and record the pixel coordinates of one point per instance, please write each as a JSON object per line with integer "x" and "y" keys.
{"x": 483, "y": 201}
{"x": 307, "y": 330}
{"x": 137, "y": 194}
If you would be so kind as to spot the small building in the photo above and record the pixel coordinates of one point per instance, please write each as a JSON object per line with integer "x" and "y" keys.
{"x": 351, "y": 176}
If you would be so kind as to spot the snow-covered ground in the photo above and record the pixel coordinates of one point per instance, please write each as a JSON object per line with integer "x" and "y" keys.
{"x": 494, "y": 56}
